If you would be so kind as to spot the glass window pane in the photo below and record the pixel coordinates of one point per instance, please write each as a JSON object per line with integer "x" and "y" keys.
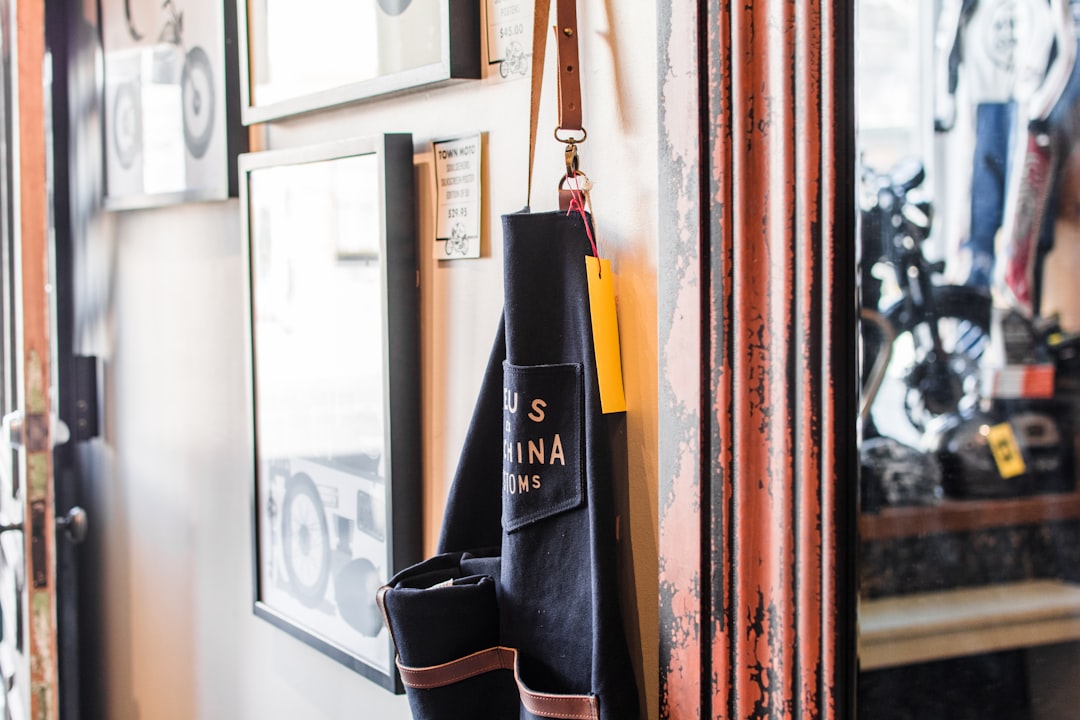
{"x": 969, "y": 227}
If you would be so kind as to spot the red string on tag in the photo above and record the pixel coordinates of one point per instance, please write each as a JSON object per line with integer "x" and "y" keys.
{"x": 577, "y": 203}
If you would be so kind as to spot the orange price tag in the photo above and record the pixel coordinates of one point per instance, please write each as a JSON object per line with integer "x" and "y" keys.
{"x": 605, "y": 327}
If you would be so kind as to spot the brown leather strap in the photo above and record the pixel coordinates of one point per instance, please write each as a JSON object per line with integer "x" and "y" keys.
{"x": 569, "y": 76}
{"x": 547, "y": 705}
{"x": 434, "y": 676}
{"x": 380, "y": 600}
{"x": 566, "y": 32}
{"x": 568, "y": 707}
{"x": 541, "y": 12}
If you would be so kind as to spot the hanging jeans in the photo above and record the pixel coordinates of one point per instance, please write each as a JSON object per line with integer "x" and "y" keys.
{"x": 993, "y": 137}
{"x": 519, "y": 615}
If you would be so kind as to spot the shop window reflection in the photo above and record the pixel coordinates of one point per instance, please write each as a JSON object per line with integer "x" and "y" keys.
{"x": 969, "y": 227}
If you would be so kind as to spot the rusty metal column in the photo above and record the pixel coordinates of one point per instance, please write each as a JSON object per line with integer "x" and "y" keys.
{"x": 758, "y": 281}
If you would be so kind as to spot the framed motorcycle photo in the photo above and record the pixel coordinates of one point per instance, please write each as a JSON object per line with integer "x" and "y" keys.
{"x": 304, "y": 55}
{"x": 333, "y": 307}
{"x": 171, "y": 102}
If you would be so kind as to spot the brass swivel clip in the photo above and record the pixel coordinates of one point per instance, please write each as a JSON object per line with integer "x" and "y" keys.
{"x": 572, "y": 161}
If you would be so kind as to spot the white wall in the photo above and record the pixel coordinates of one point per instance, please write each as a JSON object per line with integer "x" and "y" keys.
{"x": 162, "y": 304}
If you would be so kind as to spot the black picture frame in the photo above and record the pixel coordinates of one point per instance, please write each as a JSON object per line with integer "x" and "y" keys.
{"x": 171, "y": 129}
{"x": 333, "y": 310}
{"x": 294, "y": 61}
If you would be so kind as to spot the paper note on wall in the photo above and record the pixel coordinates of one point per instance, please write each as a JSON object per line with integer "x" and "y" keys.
{"x": 457, "y": 185}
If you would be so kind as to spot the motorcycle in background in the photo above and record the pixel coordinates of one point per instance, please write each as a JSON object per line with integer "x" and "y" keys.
{"x": 929, "y": 336}
{"x": 921, "y": 342}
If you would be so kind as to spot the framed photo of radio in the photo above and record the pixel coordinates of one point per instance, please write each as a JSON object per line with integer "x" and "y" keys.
{"x": 333, "y": 349}
{"x": 303, "y": 55}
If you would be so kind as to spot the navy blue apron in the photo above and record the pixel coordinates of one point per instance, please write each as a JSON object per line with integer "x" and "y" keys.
{"x": 519, "y": 616}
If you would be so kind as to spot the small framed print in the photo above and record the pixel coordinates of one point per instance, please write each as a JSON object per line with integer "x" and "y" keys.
{"x": 304, "y": 55}
{"x": 172, "y": 128}
{"x": 509, "y": 36}
{"x": 334, "y": 387}
{"x": 457, "y": 207}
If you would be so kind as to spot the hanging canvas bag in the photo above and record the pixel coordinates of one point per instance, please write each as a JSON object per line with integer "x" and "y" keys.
{"x": 519, "y": 614}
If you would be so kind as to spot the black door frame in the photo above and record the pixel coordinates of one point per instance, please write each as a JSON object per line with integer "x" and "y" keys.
{"x": 72, "y": 39}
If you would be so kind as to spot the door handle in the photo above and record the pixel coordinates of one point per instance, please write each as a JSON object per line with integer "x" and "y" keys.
{"x": 17, "y": 435}
{"x": 74, "y": 523}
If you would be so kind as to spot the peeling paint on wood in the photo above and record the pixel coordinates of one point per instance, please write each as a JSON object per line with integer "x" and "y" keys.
{"x": 680, "y": 384}
{"x": 34, "y": 308}
{"x": 763, "y": 616}
{"x": 42, "y": 670}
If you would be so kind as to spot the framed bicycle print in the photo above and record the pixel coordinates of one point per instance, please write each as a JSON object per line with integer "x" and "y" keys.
{"x": 303, "y": 55}
{"x": 334, "y": 378}
{"x": 172, "y": 129}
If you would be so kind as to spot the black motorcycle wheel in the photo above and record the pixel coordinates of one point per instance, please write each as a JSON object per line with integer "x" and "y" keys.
{"x": 305, "y": 539}
{"x": 934, "y": 386}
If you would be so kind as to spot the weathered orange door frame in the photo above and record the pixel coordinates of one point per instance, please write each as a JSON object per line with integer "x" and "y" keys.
{"x": 757, "y": 280}
{"x": 38, "y": 525}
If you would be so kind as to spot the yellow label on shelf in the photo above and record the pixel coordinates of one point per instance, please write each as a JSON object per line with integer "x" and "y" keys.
{"x": 1010, "y": 462}
{"x": 605, "y": 327}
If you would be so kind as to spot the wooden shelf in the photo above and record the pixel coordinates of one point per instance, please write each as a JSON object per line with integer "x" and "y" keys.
{"x": 952, "y": 623}
{"x": 967, "y": 515}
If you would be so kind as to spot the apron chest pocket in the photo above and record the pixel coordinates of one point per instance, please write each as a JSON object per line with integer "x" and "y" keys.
{"x": 542, "y": 454}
